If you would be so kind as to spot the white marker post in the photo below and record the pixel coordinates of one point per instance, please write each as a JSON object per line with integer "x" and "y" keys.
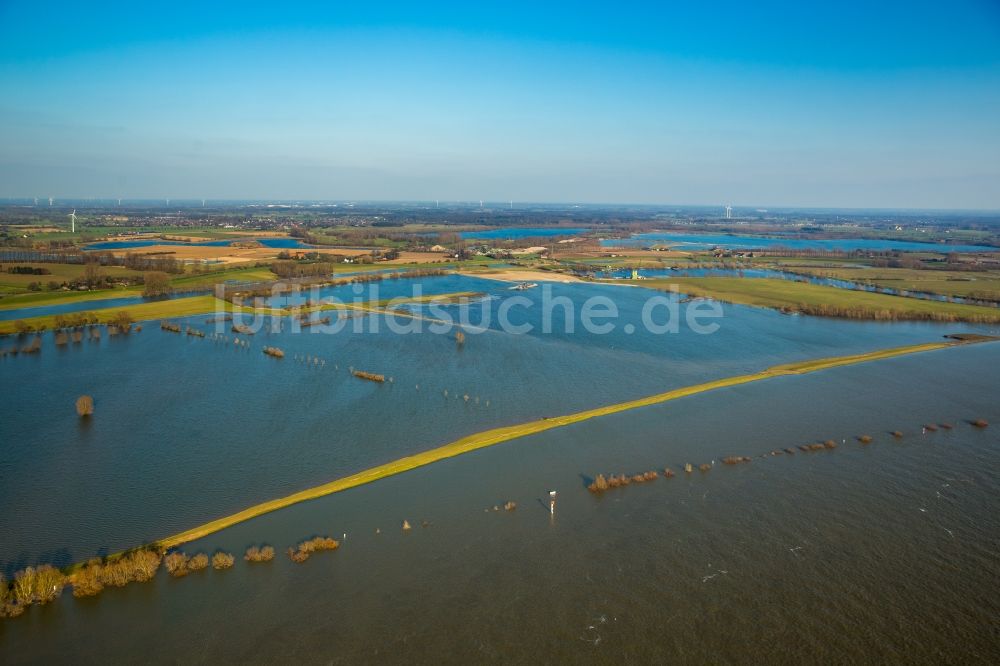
{"x": 552, "y": 502}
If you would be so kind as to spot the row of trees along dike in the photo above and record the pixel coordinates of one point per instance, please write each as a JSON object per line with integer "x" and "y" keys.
{"x": 78, "y": 320}
{"x": 45, "y": 583}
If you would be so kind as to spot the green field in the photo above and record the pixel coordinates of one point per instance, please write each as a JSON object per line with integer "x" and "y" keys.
{"x": 18, "y": 283}
{"x": 807, "y": 298}
{"x": 207, "y": 279}
{"x": 187, "y": 282}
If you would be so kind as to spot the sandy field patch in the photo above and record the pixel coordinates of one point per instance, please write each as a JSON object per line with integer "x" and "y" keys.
{"x": 525, "y": 275}
{"x": 535, "y": 249}
{"x": 579, "y": 253}
{"x": 255, "y": 234}
{"x": 419, "y": 257}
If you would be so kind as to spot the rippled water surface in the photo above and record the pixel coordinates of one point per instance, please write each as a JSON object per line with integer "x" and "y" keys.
{"x": 857, "y": 554}
{"x": 510, "y": 233}
{"x": 266, "y": 242}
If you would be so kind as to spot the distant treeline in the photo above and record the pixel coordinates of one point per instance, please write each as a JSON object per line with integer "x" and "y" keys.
{"x": 877, "y": 314}
{"x": 152, "y": 262}
{"x": 290, "y": 269}
{"x": 35, "y": 256}
{"x": 28, "y": 270}
{"x": 139, "y": 262}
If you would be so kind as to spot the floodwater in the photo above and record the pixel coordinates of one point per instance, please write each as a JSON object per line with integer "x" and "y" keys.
{"x": 266, "y": 242}
{"x": 514, "y": 233}
{"x": 686, "y": 241}
{"x": 857, "y": 554}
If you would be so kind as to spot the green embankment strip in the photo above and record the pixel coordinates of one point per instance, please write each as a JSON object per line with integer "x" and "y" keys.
{"x": 497, "y": 435}
{"x": 815, "y": 298}
{"x": 178, "y": 307}
{"x": 48, "y": 298}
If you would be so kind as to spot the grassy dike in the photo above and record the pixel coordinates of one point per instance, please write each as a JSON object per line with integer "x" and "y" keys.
{"x": 498, "y": 435}
{"x": 46, "y": 298}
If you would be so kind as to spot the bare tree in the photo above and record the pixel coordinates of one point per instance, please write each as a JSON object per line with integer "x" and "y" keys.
{"x": 157, "y": 283}
{"x": 92, "y": 273}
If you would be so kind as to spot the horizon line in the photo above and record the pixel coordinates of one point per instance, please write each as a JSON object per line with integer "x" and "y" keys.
{"x": 188, "y": 201}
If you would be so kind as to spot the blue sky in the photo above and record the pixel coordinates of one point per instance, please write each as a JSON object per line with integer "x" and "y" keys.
{"x": 762, "y": 103}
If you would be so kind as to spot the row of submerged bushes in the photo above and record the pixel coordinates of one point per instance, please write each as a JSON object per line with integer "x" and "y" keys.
{"x": 602, "y": 483}
{"x": 32, "y": 347}
{"x": 315, "y": 545}
{"x": 63, "y": 336}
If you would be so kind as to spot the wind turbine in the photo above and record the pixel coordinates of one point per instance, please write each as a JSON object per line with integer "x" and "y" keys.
{"x": 72, "y": 219}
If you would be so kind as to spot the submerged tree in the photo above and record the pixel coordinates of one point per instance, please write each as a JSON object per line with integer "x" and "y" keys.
{"x": 262, "y": 554}
{"x": 176, "y": 563}
{"x": 122, "y": 320}
{"x": 88, "y": 581}
{"x": 40, "y": 585}
{"x": 84, "y": 405}
{"x": 198, "y": 562}
{"x": 222, "y": 560}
